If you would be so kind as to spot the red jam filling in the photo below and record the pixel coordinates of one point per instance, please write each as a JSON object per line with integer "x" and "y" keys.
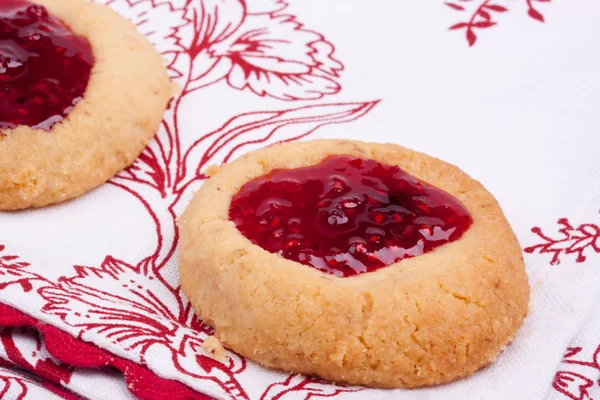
{"x": 347, "y": 216}
{"x": 44, "y": 67}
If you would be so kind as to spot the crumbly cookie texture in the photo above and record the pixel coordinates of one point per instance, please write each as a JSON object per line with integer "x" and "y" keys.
{"x": 106, "y": 131}
{"x": 422, "y": 321}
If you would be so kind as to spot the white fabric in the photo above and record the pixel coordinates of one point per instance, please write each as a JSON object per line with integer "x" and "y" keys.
{"x": 517, "y": 110}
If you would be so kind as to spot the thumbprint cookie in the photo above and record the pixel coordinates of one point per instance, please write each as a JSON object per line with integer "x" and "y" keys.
{"x": 81, "y": 94}
{"x": 356, "y": 262}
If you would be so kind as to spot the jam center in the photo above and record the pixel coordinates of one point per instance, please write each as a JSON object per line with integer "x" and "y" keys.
{"x": 44, "y": 67}
{"x": 347, "y": 216}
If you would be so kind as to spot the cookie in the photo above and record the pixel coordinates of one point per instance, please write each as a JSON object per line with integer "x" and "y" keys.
{"x": 360, "y": 263}
{"x": 78, "y": 101}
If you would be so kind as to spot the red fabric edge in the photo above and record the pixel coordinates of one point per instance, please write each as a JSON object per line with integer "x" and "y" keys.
{"x": 51, "y": 386}
{"x": 142, "y": 383}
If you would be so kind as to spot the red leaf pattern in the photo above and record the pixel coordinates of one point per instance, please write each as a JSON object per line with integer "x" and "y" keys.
{"x": 484, "y": 14}
{"x": 481, "y": 15}
{"x": 459, "y": 25}
{"x": 455, "y": 6}
{"x": 471, "y": 37}
{"x": 496, "y": 8}
{"x": 535, "y": 14}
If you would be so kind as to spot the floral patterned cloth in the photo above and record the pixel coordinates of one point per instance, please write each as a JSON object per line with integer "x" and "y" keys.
{"x": 509, "y": 91}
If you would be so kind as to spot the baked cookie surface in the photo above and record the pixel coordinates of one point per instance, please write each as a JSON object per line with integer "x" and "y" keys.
{"x": 102, "y": 131}
{"x": 423, "y": 320}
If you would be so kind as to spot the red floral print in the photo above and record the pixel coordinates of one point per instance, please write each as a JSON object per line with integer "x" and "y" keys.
{"x": 481, "y": 15}
{"x": 308, "y": 387}
{"x": 138, "y": 310}
{"x": 577, "y": 375}
{"x": 254, "y": 57}
{"x": 572, "y": 240}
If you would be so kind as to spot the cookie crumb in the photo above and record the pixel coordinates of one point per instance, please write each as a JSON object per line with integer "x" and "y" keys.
{"x": 213, "y": 346}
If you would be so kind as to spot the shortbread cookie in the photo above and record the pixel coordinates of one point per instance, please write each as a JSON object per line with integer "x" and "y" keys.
{"x": 361, "y": 263}
{"x": 81, "y": 94}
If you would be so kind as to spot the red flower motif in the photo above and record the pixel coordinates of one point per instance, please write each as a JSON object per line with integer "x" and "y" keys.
{"x": 139, "y": 316}
{"x": 132, "y": 313}
{"x": 572, "y": 241}
{"x": 274, "y": 56}
{"x": 210, "y": 21}
{"x": 249, "y": 44}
